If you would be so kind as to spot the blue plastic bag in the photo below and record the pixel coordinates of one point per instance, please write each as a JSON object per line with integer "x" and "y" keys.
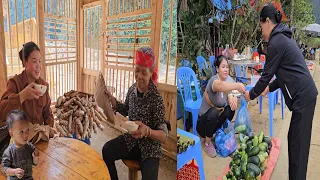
{"x": 242, "y": 123}
{"x": 225, "y": 139}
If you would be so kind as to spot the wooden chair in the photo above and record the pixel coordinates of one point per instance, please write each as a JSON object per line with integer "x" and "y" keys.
{"x": 134, "y": 167}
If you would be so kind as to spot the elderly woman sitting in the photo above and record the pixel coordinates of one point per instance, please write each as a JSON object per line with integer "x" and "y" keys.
{"x": 144, "y": 106}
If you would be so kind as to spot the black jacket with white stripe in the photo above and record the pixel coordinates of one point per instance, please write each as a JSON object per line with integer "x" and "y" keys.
{"x": 285, "y": 60}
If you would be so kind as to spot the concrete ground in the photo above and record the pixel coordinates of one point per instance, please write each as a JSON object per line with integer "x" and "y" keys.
{"x": 167, "y": 170}
{"x": 260, "y": 122}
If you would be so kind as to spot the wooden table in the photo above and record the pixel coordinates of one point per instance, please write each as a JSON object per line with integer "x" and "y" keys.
{"x": 66, "y": 158}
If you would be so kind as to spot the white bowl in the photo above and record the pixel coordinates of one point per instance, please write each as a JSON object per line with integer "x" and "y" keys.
{"x": 41, "y": 88}
{"x": 235, "y": 92}
{"x": 131, "y": 126}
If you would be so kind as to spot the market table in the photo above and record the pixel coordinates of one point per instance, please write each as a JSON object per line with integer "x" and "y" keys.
{"x": 243, "y": 63}
{"x": 67, "y": 158}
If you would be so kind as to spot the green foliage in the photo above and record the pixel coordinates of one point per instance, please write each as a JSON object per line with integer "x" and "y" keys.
{"x": 312, "y": 42}
{"x": 240, "y": 28}
{"x": 168, "y": 21}
{"x": 195, "y": 29}
{"x": 302, "y": 16}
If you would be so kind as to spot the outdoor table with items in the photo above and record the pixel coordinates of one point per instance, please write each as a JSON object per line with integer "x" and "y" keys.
{"x": 189, "y": 152}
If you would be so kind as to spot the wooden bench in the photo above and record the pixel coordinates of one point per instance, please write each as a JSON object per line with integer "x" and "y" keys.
{"x": 134, "y": 167}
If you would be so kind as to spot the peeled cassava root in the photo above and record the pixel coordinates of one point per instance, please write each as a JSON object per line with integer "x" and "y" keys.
{"x": 78, "y": 113}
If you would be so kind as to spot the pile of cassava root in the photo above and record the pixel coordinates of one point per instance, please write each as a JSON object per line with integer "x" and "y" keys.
{"x": 78, "y": 112}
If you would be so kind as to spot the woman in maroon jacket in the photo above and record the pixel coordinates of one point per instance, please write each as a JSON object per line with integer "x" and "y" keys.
{"x": 20, "y": 93}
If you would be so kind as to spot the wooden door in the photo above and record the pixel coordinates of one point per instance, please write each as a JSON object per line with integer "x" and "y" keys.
{"x": 92, "y": 45}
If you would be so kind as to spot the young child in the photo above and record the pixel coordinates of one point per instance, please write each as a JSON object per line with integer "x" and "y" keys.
{"x": 18, "y": 158}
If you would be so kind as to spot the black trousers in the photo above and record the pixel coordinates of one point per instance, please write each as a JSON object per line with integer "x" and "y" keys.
{"x": 116, "y": 149}
{"x": 209, "y": 122}
{"x": 299, "y": 141}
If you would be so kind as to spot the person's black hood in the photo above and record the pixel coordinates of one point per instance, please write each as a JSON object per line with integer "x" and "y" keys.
{"x": 281, "y": 28}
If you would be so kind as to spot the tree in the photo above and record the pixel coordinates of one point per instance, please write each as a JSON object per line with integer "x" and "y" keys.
{"x": 240, "y": 28}
{"x": 301, "y": 15}
{"x": 195, "y": 28}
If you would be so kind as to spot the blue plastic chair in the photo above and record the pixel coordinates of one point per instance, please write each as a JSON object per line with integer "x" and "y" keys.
{"x": 202, "y": 63}
{"x": 193, "y": 152}
{"x": 241, "y": 73}
{"x": 212, "y": 59}
{"x": 185, "y": 79}
{"x": 272, "y": 101}
{"x": 254, "y": 50}
{"x": 185, "y": 63}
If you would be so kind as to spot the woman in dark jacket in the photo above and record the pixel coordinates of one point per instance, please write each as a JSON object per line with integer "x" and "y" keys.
{"x": 285, "y": 60}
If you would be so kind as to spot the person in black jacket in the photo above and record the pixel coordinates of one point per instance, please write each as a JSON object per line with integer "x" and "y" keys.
{"x": 285, "y": 60}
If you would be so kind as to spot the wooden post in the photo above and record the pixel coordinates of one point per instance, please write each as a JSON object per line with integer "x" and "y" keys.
{"x": 41, "y": 37}
{"x": 169, "y": 95}
{"x": 3, "y": 66}
{"x": 169, "y": 43}
{"x": 156, "y": 21}
{"x": 80, "y": 47}
{"x": 103, "y": 16}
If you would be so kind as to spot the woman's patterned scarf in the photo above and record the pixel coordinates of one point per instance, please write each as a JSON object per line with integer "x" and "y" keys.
{"x": 145, "y": 57}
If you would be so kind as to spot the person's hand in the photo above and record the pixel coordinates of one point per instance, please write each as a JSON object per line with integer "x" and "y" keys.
{"x": 29, "y": 93}
{"x": 35, "y": 156}
{"x": 54, "y": 133}
{"x": 233, "y": 102}
{"x": 265, "y": 92}
{"x": 240, "y": 87}
{"x": 19, "y": 173}
{"x": 247, "y": 96}
{"x": 58, "y": 134}
{"x": 141, "y": 131}
{"x": 112, "y": 99}
{"x": 36, "y": 152}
